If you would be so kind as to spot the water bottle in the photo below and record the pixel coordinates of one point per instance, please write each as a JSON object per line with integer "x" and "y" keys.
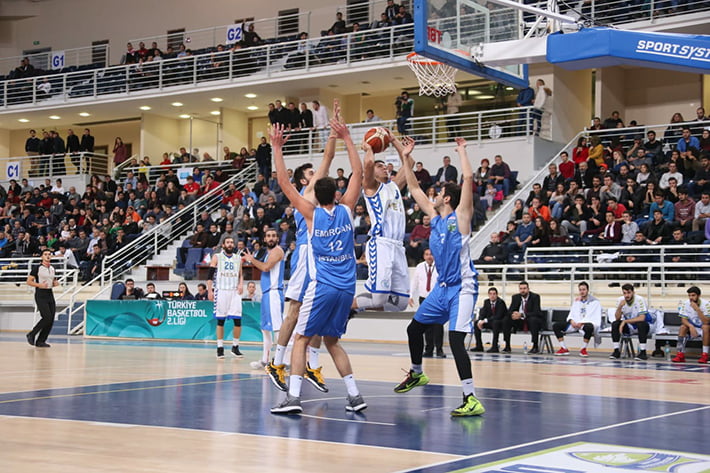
{"x": 525, "y": 347}
{"x": 667, "y": 351}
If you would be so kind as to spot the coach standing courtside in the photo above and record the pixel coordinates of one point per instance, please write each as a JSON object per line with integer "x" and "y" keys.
{"x": 42, "y": 278}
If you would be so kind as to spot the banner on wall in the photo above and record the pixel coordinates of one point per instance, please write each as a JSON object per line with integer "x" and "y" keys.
{"x": 13, "y": 170}
{"x": 169, "y": 320}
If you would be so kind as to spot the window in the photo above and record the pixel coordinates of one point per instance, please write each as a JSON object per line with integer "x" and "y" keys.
{"x": 244, "y": 20}
{"x": 288, "y": 22}
{"x": 358, "y": 11}
{"x": 176, "y": 38}
{"x": 99, "y": 52}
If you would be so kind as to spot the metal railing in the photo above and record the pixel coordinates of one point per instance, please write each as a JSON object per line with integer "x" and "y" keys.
{"x": 148, "y": 244}
{"x": 153, "y": 173}
{"x": 17, "y": 269}
{"x": 233, "y": 66}
{"x": 667, "y": 134}
{"x": 50, "y": 165}
{"x": 59, "y": 61}
{"x": 615, "y": 12}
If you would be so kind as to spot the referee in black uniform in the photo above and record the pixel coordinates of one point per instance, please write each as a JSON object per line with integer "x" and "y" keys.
{"x": 42, "y": 278}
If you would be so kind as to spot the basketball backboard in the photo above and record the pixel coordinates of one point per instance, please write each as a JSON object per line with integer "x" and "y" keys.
{"x": 452, "y": 32}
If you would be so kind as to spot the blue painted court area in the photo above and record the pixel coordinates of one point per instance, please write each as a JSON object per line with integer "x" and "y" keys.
{"x": 517, "y": 421}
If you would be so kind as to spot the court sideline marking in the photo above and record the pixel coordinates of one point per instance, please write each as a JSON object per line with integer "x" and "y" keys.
{"x": 558, "y": 437}
{"x": 221, "y": 432}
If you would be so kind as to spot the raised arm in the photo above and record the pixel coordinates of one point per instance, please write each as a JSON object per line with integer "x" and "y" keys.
{"x": 406, "y": 159}
{"x": 464, "y": 211}
{"x": 355, "y": 184}
{"x": 324, "y": 168}
{"x": 275, "y": 256}
{"x": 277, "y": 141}
{"x": 417, "y": 193}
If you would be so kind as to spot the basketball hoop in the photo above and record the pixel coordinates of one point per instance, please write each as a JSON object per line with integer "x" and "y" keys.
{"x": 435, "y": 78}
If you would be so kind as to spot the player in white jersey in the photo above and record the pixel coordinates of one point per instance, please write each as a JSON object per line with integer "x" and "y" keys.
{"x": 632, "y": 316}
{"x": 224, "y": 286}
{"x": 304, "y": 178}
{"x": 695, "y": 314}
{"x": 388, "y": 274}
{"x": 332, "y": 267}
{"x": 272, "y": 298}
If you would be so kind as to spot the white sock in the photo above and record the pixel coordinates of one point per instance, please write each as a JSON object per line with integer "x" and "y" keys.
{"x": 706, "y": 349}
{"x": 562, "y": 345}
{"x": 350, "y": 385}
{"x": 235, "y": 342}
{"x": 642, "y": 346}
{"x": 279, "y": 355}
{"x": 417, "y": 369}
{"x": 468, "y": 388}
{"x": 313, "y": 357}
{"x": 266, "y": 351}
{"x": 584, "y": 344}
{"x": 616, "y": 345}
{"x": 220, "y": 343}
{"x": 294, "y": 385}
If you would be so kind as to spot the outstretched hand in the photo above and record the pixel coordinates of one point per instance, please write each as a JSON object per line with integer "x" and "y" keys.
{"x": 339, "y": 128}
{"x": 460, "y": 142}
{"x": 276, "y": 135}
{"x": 408, "y": 145}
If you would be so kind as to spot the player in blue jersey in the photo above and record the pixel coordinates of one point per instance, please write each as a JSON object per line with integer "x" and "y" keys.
{"x": 454, "y": 297}
{"x": 331, "y": 258}
{"x": 304, "y": 180}
{"x": 388, "y": 274}
{"x": 272, "y": 292}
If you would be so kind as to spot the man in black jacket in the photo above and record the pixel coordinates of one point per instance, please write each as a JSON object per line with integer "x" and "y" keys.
{"x": 73, "y": 147}
{"x": 491, "y": 316}
{"x": 524, "y": 307}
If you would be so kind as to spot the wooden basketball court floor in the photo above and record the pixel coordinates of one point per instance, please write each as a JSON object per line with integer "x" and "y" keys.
{"x": 89, "y": 405}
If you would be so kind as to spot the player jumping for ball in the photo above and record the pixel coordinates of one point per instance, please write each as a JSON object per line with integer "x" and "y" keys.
{"x": 454, "y": 297}
{"x": 388, "y": 274}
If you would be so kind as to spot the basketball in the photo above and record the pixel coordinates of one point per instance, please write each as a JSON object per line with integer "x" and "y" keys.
{"x": 378, "y": 138}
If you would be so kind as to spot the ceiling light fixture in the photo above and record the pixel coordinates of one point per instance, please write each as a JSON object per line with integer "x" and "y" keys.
{"x": 145, "y": 108}
{"x": 84, "y": 114}
{"x": 176, "y": 104}
{"x": 250, "y": 96}
{"x": 184, "y": 115}
{"x": 217, "y": 99}
{"x": 252, "y": 107}
{"x": 23, "y": 120}
{"x": 54, "y": 117}
{"x": 215, "y": 112}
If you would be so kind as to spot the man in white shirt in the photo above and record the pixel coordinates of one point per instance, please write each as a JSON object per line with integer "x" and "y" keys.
{"x": 371, "y": 117}
{"x": 632, "y": 317}
{"x": 453, "y": 105}
{"x": 320, "y": 122}
{"x": 68, "y": 255}
{"x": 695, "y": 316}
{"x": 666, "y": 176}
{"x": 702, "y": 212}
{"x": 423, "y": 282}
{"x": 585, "y": 315}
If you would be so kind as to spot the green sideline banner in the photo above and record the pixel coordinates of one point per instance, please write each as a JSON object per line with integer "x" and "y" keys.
{"x": 169, "y": 320}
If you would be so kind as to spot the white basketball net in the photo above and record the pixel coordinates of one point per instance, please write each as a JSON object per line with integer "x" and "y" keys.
{"x": 435, "y": 78}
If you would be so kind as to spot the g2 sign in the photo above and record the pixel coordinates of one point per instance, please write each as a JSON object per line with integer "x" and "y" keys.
{"x": 235, "y": 33}
{"x": 57, "y": 60}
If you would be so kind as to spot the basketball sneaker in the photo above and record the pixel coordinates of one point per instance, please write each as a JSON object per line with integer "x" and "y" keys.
{"x": 641, "y": 356}
{"x": 257, "y": 365}
{"x": 562, "y": 352}
{"x": 616, "y": 355}
{"x": 411, "y": 381}
{"x": 290, "y": 405}
{"x": 679, "y": 358}
{"x": 220, "y": 352}
{"x": 583, "y": 353}
{"x": 704, "y": 358}
{"x": 315, "y": 377}
{"x": 470, "y": 407}
{"x": 236, "y": 352}
{"x": 355, "y": 403}
{"x": 277, "y": 375}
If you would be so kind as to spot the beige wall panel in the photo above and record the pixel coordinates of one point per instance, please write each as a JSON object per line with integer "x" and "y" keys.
{"x": 654, "y": 95}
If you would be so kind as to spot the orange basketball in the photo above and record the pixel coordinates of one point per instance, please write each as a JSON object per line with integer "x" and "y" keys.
{"x": 378, "y": 138}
